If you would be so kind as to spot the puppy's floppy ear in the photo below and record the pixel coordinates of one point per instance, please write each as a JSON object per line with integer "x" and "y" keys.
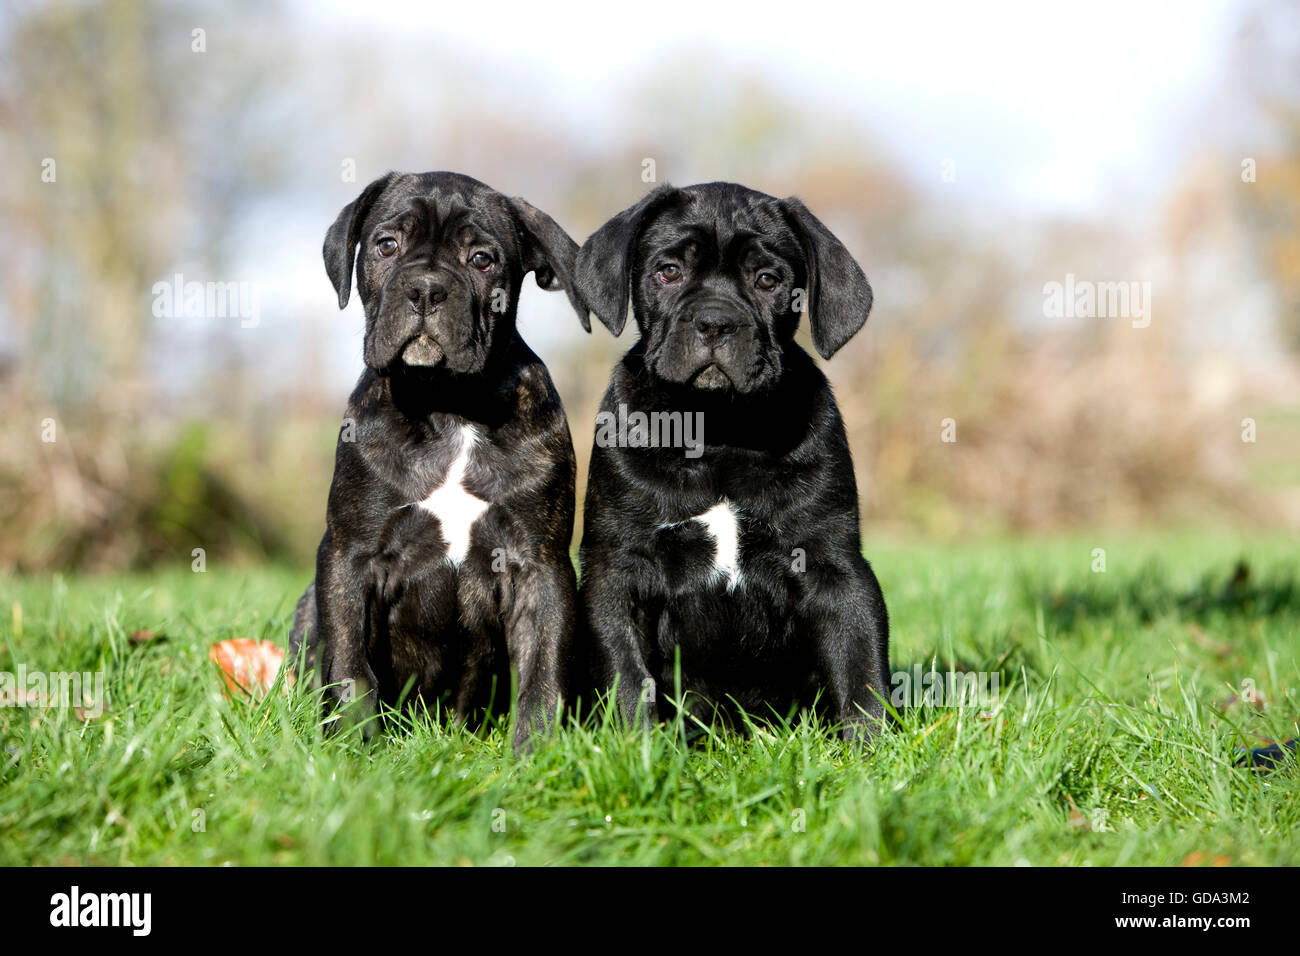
{"x": 605, "y": 260}
{"x": 839, "y": 296}
{"x": 342, "y": 237}
{"x": 550, "y": 253}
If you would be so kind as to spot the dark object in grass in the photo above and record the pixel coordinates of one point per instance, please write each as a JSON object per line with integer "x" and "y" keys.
{"x": 1267, "y": 757}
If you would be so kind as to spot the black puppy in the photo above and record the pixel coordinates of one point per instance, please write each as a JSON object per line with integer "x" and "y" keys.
{"x": 445, "y": 561}
{"x": 741, "y": 555}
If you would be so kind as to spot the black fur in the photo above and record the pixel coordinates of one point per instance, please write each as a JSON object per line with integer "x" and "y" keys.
{"x": 390, "y": 611}
{"x": 716, "y": 275}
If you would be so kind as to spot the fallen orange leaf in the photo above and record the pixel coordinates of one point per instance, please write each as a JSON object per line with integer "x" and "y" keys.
{"x": 248, "y": 665}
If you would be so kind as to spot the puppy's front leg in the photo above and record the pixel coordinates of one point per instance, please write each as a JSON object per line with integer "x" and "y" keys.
{"x": 619, "y": 646}
{"x": 845, "y": 614}
{"x": 539, "y": 637}
{"x": 345, "y": 666}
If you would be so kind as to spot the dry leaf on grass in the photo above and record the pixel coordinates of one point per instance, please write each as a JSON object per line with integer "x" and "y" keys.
{"x": 1077, "y": 819}
{"x": 248, "y": 666}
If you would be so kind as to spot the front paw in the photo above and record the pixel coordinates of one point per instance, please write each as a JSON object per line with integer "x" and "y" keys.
{"x": 862, "y": 730}
{"x": 639, "y": 703}
{"x": 535, "y": 718}
{"x": 350, "y": 705}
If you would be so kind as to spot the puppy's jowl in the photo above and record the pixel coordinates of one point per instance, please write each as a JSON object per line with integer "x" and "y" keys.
{"x": 445, "y": 561}
{"x": 745, "y": 560}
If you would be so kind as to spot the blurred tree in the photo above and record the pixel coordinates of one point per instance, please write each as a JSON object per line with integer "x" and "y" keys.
{"x": 1268, "y": 56}
{"x": 135, "y": 134}
{"x": 133, "y": 139}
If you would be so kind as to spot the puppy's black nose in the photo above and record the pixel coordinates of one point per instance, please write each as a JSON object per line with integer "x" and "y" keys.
{"x": 425, "y": 293}
{"x": 714, "y": 325}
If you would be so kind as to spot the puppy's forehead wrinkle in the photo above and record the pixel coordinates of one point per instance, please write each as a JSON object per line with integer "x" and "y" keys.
{"x": 440, "y": 212}
{"x": 442, "y": 215}
{"x": 425, "y": 209}
{"x": 726, "y": 241}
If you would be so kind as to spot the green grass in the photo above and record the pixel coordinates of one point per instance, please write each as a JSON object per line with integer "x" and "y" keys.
{"x": 1111, "y": 742}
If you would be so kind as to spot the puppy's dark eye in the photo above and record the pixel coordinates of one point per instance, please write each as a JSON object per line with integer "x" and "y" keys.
{"x": 669, "y": 274}
{"x": 767, "y": 281}
{"x": 387, "y": 246}
{"x": 481, "y": 261}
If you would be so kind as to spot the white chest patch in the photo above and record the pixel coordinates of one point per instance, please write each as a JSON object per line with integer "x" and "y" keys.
{"x": 454, "y": 507}
{"x": 722, "y": 524}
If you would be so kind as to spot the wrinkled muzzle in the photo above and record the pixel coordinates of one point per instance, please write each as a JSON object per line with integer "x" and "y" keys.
{"x": 427, "y": 319}
{"x": 715, "y": 344}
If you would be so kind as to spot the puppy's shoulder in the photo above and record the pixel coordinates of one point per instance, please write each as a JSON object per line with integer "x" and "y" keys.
{"x": 535, "y": 393}
{"x": 805, "y": 376}
{"x": 367, "y": 395}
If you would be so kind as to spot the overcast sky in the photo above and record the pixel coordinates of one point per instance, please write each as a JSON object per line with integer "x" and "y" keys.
{"x": 1045, "y": 105}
